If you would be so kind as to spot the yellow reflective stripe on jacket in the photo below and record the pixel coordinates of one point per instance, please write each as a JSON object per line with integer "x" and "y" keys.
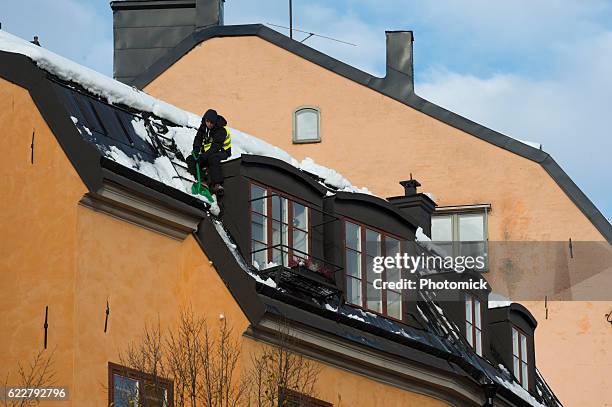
{"x": 227, "y": 143}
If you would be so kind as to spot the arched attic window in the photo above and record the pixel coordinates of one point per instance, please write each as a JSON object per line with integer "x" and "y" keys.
{"x": 307, "y": 125}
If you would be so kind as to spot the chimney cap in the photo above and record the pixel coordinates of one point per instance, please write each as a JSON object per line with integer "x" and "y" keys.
{"x": 410, "y": 183}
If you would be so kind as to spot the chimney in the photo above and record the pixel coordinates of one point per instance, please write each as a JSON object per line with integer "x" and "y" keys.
{"x": 417, "y": 205}
{"x": 144, "y": 31}
{"x": 208, "y": 12}
{"x": 399, "y": 80}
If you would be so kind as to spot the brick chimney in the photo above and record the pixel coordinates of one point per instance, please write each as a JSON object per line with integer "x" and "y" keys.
{"x": 418, "y": 205}
{"x": 144, "y": 30}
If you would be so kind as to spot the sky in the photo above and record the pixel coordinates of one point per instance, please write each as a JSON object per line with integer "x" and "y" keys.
{"x": 538, "y": 71}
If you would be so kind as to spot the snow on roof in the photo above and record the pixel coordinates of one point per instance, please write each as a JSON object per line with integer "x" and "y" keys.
{"x": 516, "y": 388}
{"x": 498, "y": 301}
{"x": 116, "y": 92}
{"x": 530, "y": 143}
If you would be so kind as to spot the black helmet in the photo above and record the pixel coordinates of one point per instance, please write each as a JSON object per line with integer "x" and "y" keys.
{"x": 211, "y": 115}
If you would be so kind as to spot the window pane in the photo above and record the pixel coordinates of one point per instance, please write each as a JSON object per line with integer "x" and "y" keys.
{"x": 279, "y": 208}
{"x": 525, "y": 378}
{"x": 276, "y": 234}
{"x": 477, "y": 314}
{"x": 468, "y": 333}
{"x": 155, "y": 395}
{"x": 468, "y": 308}
{"x": 280, "y": 237}
{"x": 471, "y": 227}
{"x": 260, "y": 204}
{"x": 300, "y": 216}
{"x": 472, "y": 249}
{"x": 478, "y": 334}
{"x": 374, "y": 299}
{"x": 353, "y": 263}
{"x": 258, "y": 227}
{"x": 515, "y": 341}
{"x": 353, "y": 236}
{"x": 524, "y": 348}
{"x": 442, "y": 229}
{"x": 392, "y": 247}
{"x": 371, "y": 275}
{"x": 353, "y": 291}
{"x": 394, "y": 304}
{"x": 300, "y": 242}
{"x": 307, "y": 124}
{"x": 372, "y": 243}
{"x": 517, "y": 372}
{"x": 259, "y": 257}
{"x": 125, "y": 391}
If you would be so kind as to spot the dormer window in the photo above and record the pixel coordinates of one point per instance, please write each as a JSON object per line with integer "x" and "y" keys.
{"x": 362, "y": 245}
{"x": 473, "y": 323}
{"x": 280, "y": 228}
{"x": 307, "y": 125}
{"x": 519, "y": 357}
{"x": 461, "y": 230}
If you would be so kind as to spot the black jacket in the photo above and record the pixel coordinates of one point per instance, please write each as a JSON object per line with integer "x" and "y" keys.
{"x": 216, "y": 135}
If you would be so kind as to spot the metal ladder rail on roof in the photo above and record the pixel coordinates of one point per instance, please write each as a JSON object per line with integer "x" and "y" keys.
{"x": 167, "y": 147}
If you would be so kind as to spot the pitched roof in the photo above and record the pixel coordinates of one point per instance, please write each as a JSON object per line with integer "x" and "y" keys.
{"x": 117, "y": 153}
{"x": 409, "y": 98}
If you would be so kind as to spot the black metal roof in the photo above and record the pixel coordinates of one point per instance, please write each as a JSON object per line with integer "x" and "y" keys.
{"x": 392, "y": 90}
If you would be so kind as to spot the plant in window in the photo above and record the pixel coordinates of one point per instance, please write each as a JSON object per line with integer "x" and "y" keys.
{"x": 312, "y": 265}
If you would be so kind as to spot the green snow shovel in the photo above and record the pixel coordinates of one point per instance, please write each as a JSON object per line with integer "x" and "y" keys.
{"x": 197, "y": 188}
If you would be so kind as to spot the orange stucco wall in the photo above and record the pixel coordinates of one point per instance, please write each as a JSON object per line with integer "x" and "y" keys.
{"x": 57, "y": 253}
{"x": 376, "y": 142}
{"x": 343, "y": 388}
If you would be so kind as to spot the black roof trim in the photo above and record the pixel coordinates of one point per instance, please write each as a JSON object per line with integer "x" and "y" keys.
{"x": 378, "y": 84}
{"x": 520, "y": 309}
{"x": 415, "y": 351}
{"x": 282, "y": 165}
{"x": 240, "y": 285}
{"x": 381, "y": 203}
{"x": 151, "y": 184}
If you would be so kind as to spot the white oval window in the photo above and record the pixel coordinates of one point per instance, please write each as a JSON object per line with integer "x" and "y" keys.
{"x": 306, "y": 125}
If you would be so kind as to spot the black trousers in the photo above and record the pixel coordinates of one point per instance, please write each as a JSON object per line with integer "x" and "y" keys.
{"x": 212, "y": 162}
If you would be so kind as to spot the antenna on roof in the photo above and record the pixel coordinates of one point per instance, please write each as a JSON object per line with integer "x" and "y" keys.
{"x": 310, "y": 34}
{"x": 291, "y": 19}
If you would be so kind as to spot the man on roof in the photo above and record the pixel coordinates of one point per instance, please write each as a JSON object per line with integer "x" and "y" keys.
{"x": 211, "y": 145}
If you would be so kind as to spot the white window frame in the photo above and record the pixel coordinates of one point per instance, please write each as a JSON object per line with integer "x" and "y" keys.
{"x": 520, "y": 361}
{"x": 295, "y": 114}
{"x": 473, "y": 322}
{"x": 454, "y": 212}
{"x": 288, "y": 229}
{"x": 362, "y": 277}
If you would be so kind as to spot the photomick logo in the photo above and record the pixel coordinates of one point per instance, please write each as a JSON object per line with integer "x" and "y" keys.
{"x": 431, "y": 263}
